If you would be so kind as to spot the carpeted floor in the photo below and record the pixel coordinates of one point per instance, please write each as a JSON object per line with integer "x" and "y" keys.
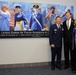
{"x": 42, "y": 70}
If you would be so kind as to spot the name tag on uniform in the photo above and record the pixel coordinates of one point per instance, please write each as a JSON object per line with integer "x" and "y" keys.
{"x": 62, "y": 29}
{"x": 55, "y": 30}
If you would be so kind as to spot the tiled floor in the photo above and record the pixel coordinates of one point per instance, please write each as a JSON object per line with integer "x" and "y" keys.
{"x": 42, "y": 70}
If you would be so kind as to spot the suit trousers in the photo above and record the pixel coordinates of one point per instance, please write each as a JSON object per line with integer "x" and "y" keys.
{"x": 67, "y": 49}
{"x": 56, "y": 51}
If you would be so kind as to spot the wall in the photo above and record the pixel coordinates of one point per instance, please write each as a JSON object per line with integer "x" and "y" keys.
{"x": 29, "y": 50}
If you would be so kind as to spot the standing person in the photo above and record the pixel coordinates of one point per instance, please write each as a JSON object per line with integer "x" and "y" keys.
{"x": 55, "y": 38}
{"x": 36, "y": 22}
{"x": 68, "y": 26}
{"x": 20, "y": 19}
{"x": 50, "y": 16}
{"x": 4, "y": 18}
{"x": 74, "y": 49}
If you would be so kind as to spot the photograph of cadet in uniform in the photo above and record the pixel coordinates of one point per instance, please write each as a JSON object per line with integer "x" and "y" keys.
{"x": 20, "y": 19}
{"x": 36, "y": 22}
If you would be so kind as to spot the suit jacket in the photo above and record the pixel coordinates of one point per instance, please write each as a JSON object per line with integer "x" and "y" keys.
{"x": 55, "y": 35}
{"x": 68, "y": 33}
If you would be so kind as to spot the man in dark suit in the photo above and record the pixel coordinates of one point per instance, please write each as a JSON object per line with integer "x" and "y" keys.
{"x": 55, "y": 39}
{"x": 68, "y": 26}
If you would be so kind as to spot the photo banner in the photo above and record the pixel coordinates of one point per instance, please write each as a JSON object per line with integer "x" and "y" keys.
{"x": 25, "y": 19}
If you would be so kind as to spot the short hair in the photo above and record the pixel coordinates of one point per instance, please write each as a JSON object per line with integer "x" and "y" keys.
{"x": 4, "y": 6}
{"x": 57, "y": 17}
{"x": 68, "y": 12}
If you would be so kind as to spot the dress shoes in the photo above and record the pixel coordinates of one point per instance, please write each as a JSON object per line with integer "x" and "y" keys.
{"x": 59, "y": 67}
{"x": 53, "y": 68}
{"x": 73, "y": 71}
{"x": 66, "y": 66}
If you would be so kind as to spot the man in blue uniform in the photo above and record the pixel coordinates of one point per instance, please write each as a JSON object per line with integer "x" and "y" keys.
{"x": 4, "y": 18}
{"x": 36, "y": 23}
{"x": 20, "y": 19}
{"x": 55, "y": 39}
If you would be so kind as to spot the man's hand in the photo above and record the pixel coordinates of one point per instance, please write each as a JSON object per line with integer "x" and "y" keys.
{"x": 52, "y": 45}
{"x": 50, "y": 12}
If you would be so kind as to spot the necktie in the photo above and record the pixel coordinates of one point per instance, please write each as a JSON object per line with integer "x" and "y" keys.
{"x": 58, "y": 26}
{"x": 68, "y": 24}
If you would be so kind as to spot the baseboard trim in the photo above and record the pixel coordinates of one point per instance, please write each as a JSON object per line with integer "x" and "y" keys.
{"x": 26, "y": 65}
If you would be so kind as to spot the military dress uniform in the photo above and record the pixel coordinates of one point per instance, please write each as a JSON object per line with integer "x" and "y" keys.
{"x": 20, "y": 20}
{"x": 55, "y": 37}
{"x": 36, "y": 21}
{"x": 34, "y": 24}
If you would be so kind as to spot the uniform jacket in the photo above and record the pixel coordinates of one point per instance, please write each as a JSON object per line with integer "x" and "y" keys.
{"x": 34, "y": 24}
{"x": 55, "y": 35}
